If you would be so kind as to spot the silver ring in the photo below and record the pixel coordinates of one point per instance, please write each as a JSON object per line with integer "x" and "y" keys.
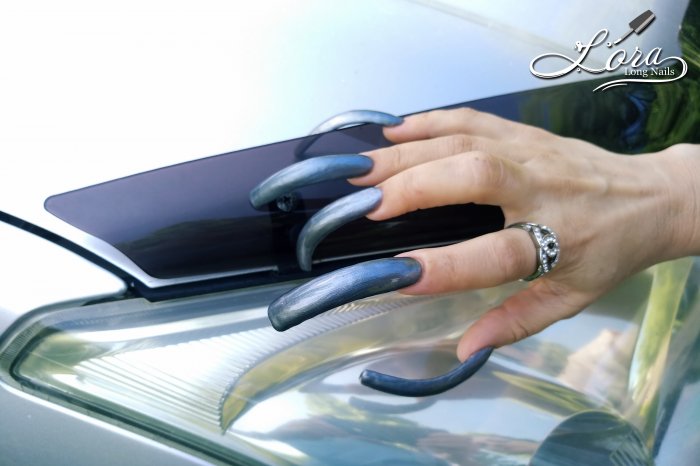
{"x": 547, "y": 245}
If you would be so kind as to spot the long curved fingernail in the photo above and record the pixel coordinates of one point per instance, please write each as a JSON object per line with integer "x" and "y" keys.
{"x": 307, "y": 172}
{"x": 425, "y": 387}
{"x": 342, "y": 286}
{"x": 354, "y": 117}
{"x": 332, "y": 217}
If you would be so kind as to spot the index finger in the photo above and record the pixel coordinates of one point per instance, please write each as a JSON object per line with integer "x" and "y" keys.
{"x": 458, "y": 121}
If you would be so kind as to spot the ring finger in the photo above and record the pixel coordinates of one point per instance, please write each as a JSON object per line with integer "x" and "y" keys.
{"x": 482, "y": 262}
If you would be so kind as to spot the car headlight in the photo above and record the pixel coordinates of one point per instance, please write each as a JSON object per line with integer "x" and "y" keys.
{"x": 211, "y": 373}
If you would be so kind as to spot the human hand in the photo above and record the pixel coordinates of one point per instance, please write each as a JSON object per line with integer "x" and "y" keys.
{"x": 614, "y": 214}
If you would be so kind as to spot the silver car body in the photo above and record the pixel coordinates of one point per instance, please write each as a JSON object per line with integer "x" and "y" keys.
{"x": 92, "y": 93}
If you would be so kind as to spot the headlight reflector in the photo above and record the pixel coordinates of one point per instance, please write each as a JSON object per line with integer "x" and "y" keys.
{"x": 211, "y": 373}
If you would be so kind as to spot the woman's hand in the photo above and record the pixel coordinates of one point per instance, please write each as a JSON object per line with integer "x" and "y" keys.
{"x": 614, "y": 214}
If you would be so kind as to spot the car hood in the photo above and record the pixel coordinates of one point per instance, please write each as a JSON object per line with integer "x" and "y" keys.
{"x": 138, "y": 86}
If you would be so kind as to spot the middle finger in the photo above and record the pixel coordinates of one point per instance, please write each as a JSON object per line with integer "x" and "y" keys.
{"x": 476, "y": 177}
{"x": 394, "y": 159}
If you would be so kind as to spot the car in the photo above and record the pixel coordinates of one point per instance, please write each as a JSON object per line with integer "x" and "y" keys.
{"x": 136, "y": 275}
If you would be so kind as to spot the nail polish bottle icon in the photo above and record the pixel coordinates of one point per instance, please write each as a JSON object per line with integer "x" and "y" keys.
{"x": 638, "y": 24}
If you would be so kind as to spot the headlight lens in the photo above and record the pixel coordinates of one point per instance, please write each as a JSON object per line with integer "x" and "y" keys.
{"x": 212, "y": 374}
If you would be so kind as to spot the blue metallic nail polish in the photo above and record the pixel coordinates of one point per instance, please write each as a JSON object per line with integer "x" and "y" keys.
{"x": 307, "y": 172}
{"x": 355, "y": 117}
{"x": 426, "y": 387}
{"x": 342, "y": 120}
{"x": 332, "y": 217}
{"x": 342, "y": 286}
{"x": 360, "y": 281}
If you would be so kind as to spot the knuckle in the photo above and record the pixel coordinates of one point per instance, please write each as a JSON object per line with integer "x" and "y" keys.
{"x": 409, "y": 182}
{"x": 533, "y": 133}
{"x": 459, "y": 143}
{"x": 425, "y": 117}
{"x": 509, "y": 258}
{"x": 519, "y": 330}
{"x": 452, "y": 267}
{"x": 444, "y": 268}
{"x": 407, "y": 190}
{"x": 517, "y": 327}
{"x": 485, "y": 171}
{"x": 428, "y": 119}
{"x": 488, "y": 168}
{"x": 466, "y": 113}
{"x": 396, "y": 157}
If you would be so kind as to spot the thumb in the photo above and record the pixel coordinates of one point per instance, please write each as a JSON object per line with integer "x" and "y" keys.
{"x": 525, "y": 313}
